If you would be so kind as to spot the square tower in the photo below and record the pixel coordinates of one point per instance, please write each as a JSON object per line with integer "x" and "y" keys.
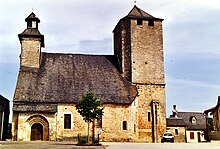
{"x": 138, "y": 44}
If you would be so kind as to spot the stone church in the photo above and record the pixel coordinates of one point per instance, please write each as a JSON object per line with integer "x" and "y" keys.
{"x": 130, "y": 83}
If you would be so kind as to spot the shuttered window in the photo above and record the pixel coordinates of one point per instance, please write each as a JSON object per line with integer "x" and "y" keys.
{"x": 191, "y": 135}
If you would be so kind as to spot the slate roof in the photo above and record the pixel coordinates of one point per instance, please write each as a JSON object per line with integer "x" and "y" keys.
{"x": 139, "y": 13}
{"x": 175, "y": 122}
{"x": 200, "y": 120}
{"x": 63, "y": 78}
{"x": 32, "y": 16}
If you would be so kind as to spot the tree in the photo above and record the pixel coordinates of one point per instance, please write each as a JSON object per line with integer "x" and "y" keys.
{"x": 89, "y": 107}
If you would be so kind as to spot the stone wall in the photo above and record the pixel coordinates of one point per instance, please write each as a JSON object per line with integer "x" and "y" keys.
{"x": 147, "y": 94}
{"x": 181, "y": 136}
{"x": 30, "y": 52}
{"x": 112, "y": 123}
{"x": 122, "y": 47}
{"x": 147, "y": 53}
{"x": 27, "y": 119}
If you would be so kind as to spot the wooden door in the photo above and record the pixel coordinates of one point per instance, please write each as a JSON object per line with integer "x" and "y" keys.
{"x": 199, "y": 137}
{"x": 36, "y": 132}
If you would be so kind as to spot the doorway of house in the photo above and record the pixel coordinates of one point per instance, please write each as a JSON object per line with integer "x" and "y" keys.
{"x": 199, "y": 137}
{"x": 36, "y": 132}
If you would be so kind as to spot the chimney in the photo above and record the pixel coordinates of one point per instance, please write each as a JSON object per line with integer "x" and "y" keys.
{"x": 174, "y": 111}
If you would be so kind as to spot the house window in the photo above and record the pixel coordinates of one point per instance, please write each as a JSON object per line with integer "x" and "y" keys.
{"x": 191, "y": 135}
{"x": 151, "y": 23}
{"x": 67, "y": 121}
{"x": 139, "y": 22}
{"x": 124, "y": 125}
{"x": 148, "y": 116}
{"x": 176, "y": 132}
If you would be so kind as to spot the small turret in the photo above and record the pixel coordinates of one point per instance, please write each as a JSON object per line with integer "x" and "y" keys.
{"x": 31, "y": 42}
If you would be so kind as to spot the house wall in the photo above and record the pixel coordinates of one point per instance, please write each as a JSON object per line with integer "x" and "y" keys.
{"x": 181, "y": 136}
{"x": 196, "y": 137}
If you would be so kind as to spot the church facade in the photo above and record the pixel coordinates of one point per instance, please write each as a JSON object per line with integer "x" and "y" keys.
{"x": 130, "y": 83}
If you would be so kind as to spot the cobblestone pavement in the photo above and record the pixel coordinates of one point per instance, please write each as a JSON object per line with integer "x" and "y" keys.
{"x": 105, "y": 145}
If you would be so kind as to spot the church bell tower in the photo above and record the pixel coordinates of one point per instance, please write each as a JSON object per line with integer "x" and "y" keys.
{"x": 138, "y": 45}
{"x": 31, "y": 42}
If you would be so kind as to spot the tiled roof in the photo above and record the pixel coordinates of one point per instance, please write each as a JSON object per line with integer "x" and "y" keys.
{"x": 139, "y": 13}
{"x": 32, "y": 32}
{"x": 200, "y": 120}
{"x": 63, "y": 78}
{"x": 32, "y": 16}
{"x": 175, "y": 122}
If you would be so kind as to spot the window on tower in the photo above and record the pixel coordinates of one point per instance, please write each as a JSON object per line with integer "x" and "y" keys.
{"x": 139, "y": 22}
{"x": 151, "y": 23}
{"x": 34, "y": 24}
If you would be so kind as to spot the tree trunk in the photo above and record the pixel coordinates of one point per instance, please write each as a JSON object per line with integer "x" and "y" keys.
{"x": 93, "y": 131}
{"x": 88, "y": 133}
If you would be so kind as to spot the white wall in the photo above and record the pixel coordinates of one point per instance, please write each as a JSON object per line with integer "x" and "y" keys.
{"x": 195, "y": 136}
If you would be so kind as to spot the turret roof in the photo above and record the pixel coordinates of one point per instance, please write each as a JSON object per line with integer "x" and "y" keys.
{"x": 139, "y": 13}
{"x": 32, "y": 16}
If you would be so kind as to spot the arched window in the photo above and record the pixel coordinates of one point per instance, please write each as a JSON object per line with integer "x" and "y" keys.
{"x": 124, "y": 125}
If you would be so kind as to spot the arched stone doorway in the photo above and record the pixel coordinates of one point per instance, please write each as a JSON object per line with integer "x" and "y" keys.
{"x": 36, "y": 132}
{"x": 39, "y": 128}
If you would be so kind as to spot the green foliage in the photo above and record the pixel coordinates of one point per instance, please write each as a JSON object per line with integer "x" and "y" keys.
{"x": 89, "y": 107}
{"x": 82, "y": 141}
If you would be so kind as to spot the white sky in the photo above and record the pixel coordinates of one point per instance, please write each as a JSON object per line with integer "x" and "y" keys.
{"x": 191, "y": 33}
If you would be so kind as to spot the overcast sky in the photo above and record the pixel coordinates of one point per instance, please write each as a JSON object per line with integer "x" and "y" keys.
{"x": 191, "y": 40}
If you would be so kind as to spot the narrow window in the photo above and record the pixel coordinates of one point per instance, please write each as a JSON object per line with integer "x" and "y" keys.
{"x": 34, "y": 24}
{"x": 29, "y": 24}
{"x": 124, "y": 125}
{"x": 134, "y": 128}
{"x": 67, "y": 121}
{"x": 151, "y": 23}
{"x": 148, "y": 115}
{"x": 176, "y": 132}
{"x": 139, "y": 22}
{"x": 191, "y": 135}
